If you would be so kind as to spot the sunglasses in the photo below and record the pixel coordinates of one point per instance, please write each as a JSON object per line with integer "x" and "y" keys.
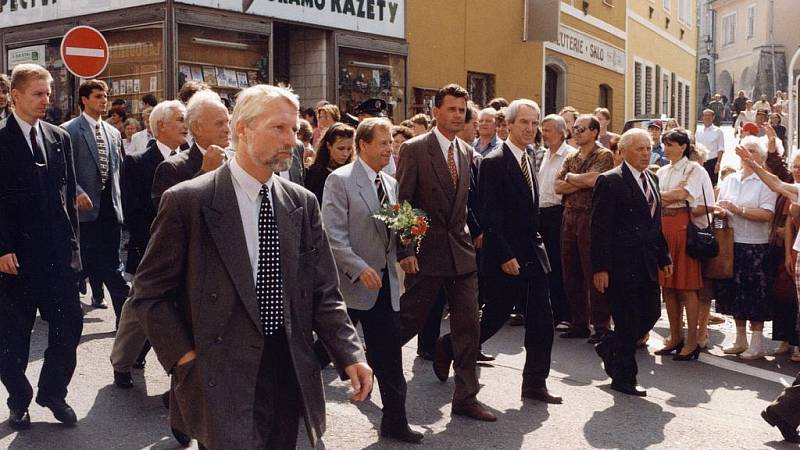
{"x": 579, "y": 130}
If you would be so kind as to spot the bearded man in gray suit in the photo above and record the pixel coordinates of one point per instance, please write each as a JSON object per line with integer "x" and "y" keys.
{"x": 237, "y": 275}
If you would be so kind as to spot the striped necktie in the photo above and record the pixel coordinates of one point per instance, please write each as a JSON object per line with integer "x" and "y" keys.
{"x": 648, "y": 194}
{"x": 526, "y": 172}
{"x": 102, "y": 154}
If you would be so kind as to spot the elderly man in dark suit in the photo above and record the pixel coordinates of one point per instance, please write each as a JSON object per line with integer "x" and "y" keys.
{"x": 434, "y": 174}
{"x": 169, "y": 129}
{"x": 97, "y": 151}
{"x": 628, "y": 249}
{"x": 207, "y": 119}
{"x": 515, "y": 262}
{"x": 39, "y": 252}
{"x": 236, "y": 278}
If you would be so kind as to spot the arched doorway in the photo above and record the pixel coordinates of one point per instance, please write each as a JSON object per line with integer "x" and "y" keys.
{"x": 606, "y": 97}
{"x": 725, "y": 84}
{"x": 555, "y": 85}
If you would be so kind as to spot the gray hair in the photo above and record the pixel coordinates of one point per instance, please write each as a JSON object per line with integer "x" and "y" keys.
{"x": 754, "y": 143}
{"x": 200, "y": 100}
{"x": 164, "y": 111}
{"x": 628, "y": 137}
{"x": 516, "y": 105}
{"x": 487, "y": 112}
{"x": 561, "y": 124}
{"x": 251, "y": 103}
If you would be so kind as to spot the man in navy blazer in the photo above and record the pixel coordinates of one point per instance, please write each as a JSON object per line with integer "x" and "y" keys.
{"x": 39, "y": 253}
{"x": 96, "y": 148}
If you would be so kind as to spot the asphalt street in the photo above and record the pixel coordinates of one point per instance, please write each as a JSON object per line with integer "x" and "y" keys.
{"x": 713, "y": 403}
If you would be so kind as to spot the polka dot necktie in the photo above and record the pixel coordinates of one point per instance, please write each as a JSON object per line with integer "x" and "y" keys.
{"x": 269, "y": 286}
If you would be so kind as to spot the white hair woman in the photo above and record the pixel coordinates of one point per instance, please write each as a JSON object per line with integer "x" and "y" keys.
{"x": 749, "y": 204}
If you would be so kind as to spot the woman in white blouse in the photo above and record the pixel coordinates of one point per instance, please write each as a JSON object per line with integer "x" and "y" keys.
{"x": 680, "y": 182}
{"x": 748, "y": 205}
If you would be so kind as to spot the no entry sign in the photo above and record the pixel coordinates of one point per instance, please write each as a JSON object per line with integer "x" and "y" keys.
{"x": 84, "y": 52}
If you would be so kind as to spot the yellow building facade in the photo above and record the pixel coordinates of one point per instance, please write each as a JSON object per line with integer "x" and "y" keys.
{"x": 662, "y": 60}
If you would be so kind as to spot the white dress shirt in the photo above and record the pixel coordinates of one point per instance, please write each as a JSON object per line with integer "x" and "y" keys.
{"x": 671, "y": 175}
{"x": 445, "y": 144}
{"x": 139, "y": 141}
{"x": 637, "y": 177}
{"x": 551, "y": 166}
{"x": 713, "y": 139}
{"x": 26, "y": 131}
{"x": 708, "y": 191}
{"x": 752, "y": 193}
{"x": 248, "y": 196}
{"x": 518, "y": 154}
{"x": 165, "y": 150}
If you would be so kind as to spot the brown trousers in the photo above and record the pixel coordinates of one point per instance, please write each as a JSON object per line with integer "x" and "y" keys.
{"x": 461, "y": 293}
{"x": 585, "y": 301}
{"x": 787, "y": 405}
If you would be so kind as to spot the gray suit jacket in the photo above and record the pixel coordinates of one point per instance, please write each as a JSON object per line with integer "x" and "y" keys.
{"x": 194, "y": 290}
{"x": 357, "y": 239}
{"x": 87, "y": 164}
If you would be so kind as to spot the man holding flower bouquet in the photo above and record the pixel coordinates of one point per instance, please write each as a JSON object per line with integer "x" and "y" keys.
{"x": 365, "y": 253}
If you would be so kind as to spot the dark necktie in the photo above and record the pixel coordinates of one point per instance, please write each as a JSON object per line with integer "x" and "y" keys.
{"x": 173, "y": 153}
{"x": 451, "y": 165}
{"x": 648, "y": 194}
{"x": 379, "y": 190}
{"x": 526, "y": 171}
{"x": 38, "y": 154}
{"x": 269, "y": 286}
{"x": 102, "y": 154}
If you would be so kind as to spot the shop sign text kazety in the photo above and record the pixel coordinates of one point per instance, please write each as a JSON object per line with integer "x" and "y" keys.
{"x": 587, "y": 48}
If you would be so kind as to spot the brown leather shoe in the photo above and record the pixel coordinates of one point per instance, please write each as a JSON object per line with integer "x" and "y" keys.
{"x": 441, "y": 361}
{"x": 475, "y": 411}
{"x": 541, "y": 394}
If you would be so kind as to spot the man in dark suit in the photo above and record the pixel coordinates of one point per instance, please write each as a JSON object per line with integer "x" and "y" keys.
{"x": 514, "y": 260}
{"x": 434, "y": 175}
{"x": 628, "y": 249}
{"x": 97, "y": 151}
{"x": 236, "y": 278}
{"x": 39, "y": 251}
{"x": 207, "y": 119}
{"x": 169, "y": 130}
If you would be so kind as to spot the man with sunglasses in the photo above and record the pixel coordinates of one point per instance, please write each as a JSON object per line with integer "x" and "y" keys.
{"x": 576, "y": 183}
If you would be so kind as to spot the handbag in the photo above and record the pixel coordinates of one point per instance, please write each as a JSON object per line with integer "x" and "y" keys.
{"x": 700, "y": 242}
{"x": 720, "y": 267}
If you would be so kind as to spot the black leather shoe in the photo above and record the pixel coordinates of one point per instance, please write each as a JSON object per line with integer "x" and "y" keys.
{"x": 441, "y": 363}
{"x": 402, "y": 433}
{"x": 483, "y": 357}
{"x": 19, "y": 419}
{"x": 99, "y": 303}
{"x": 123, "y": 380}
{"x": 630, "y": 389}
{"x": 61, "y": 410}
{"x": 517, "y": 320}
{"x": 541, "y": 394}
{"x": 576, "y": 333}
{"x": 165, "y": 399}
{"x": 139, "y": 365}
{"x": 184, "y": 439}
{"x": 603, "y": 350}
{"x": 789, "y": 433}
{"x": 597, "y": 337}
{"x": 427, "y": 356}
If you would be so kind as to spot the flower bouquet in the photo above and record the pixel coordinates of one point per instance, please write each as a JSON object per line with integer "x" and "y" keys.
{"x": 410, "y": 224}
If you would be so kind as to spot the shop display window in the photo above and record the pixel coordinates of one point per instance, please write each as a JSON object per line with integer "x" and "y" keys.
{"x": 136, "y": 65}
{"x": 364, "y": 75}
{"x": 228, "y": 61}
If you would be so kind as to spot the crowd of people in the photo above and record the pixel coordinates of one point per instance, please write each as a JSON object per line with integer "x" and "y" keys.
{"x": 252, "y": 250}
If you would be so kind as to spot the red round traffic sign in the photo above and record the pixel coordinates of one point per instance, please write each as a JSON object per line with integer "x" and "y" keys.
{"x": 84, "y": 52}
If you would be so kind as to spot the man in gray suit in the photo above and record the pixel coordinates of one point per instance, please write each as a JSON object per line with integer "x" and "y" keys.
{"x": 236, "y": 277}
{"x": 365, "y": 253}
{"x": 98, "y": 158}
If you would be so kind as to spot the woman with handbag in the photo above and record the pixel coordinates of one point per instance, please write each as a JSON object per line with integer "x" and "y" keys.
{"x": 749, "y": 205}
{"x": 681, "y": 183}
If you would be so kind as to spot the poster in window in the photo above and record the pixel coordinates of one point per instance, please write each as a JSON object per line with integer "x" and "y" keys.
{"x": 154, "y": 83}
{"x": 252, "y": 77}
{"x": 210, "y": 75}
{"x": 184, "y": 73}
{"x": 230, "y": 76}
{"x": 117, "y": 89}
{"x": 197, "y": 73}
{"x": 129, "y": 86}
{"x": 136, "y": 86}
{"x": 222, "y": 79}
{"x": 242, "y": 78}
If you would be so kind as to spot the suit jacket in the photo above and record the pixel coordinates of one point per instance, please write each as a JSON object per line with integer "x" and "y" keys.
{"x": 195, "y": 290}
{"x": 510, "y": 215}
{"x": 297, "y": 171}
{"x": 625, "y": 238}
{"x": 424, "y": 181}
{"x": 357, "y": 239}
{"x": 175, "y": 169}
{"x": 23, "y": 220}
{"x": 473, "y": 201}
{"x": 87, "y": 164}
{"x": 137, "y": 201}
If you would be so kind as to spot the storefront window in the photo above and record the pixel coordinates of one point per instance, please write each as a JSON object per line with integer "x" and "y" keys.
{"x": 227, "y": 60}
{"x": 48, "y": 55}
{"x": 364, "y": 75}
{"x": 136, "y": 65}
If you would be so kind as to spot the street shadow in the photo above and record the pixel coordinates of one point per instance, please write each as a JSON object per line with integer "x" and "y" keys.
{"x": 426, "y": 394}
{"x": 780, "y": 444}
{"x": 95, "y": 336}
{"x": 636, "y": 423}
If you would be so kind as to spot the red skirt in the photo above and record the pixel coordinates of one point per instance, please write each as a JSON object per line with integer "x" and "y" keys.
{"x": 686, "y": 273}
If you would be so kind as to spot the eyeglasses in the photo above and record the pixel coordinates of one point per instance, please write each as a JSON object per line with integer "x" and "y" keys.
{"x": 579, "y": 130}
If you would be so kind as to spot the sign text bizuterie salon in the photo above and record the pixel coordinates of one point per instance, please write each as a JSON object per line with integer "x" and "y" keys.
{"x": 381, "y": 17}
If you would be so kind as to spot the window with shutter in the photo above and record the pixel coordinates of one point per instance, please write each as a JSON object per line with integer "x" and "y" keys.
{"x": 658, "y": 91}
{"x": 686, "y": 105}
{"x": 679, "y": 102}
{"x": 648, "y": 90}
{"x": 637, "y": 89}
